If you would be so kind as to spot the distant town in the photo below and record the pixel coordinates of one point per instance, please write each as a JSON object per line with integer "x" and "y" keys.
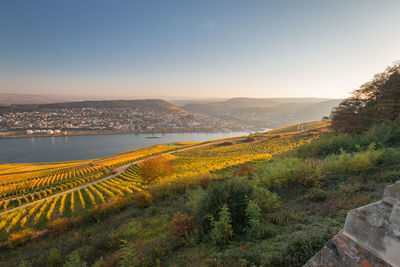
{"x": 66, "y": 121}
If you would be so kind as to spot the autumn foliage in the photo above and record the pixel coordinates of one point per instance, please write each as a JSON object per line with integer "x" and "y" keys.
{"x": 245, "y": 169}
{"x": 156, "y": 167}
{"x": 143, "y": 199}
{"x": 182, "y": 225}
{"x": 374, "y": 102}
{"x": 20, "y": 238}
{"x": 59, "y": 225}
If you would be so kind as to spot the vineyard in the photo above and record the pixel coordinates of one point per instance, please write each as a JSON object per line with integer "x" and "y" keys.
{"x": 36, "y": 185}
{"x": 35, "y": 200}
{"x": 217, "y": 157}
{"x": 71, "y": 203}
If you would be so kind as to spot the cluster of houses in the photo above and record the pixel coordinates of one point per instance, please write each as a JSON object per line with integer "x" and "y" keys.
{"x": 55, "y": 121}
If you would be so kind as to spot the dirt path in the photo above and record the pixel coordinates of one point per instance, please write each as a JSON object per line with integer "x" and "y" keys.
{"x": 118, "y": 171}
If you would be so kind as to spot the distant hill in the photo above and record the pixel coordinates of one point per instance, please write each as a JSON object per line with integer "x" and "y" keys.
{"x": 314, "y": 112}
{"x": 182, "y": 102}
{"x": 142, "y": 104}
{"x": 245, "y": 103}
{"x": 8, "y": 99}
{"x": 267, "y": 112}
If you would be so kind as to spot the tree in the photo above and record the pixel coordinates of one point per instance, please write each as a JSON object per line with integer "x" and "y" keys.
{"x": 154, "y": 168}
{"x": 375, "y": 101}
{"x": 222, "y": 232}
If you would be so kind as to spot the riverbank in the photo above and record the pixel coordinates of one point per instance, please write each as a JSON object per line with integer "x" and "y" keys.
{"x": 67, "y": 148}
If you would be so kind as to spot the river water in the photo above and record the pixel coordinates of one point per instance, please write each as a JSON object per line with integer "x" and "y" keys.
{"x": 65, "y": 148}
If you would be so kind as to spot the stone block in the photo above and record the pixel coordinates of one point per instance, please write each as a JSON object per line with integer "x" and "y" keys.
{"x": 392, "y": 194}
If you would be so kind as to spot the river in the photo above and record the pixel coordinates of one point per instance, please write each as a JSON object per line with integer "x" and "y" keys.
{"x": 66, "y": 148}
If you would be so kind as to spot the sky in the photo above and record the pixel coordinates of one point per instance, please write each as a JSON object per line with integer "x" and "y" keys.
{"x": 195, "y": 49}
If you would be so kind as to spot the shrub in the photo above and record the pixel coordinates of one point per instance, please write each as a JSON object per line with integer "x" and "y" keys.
{"x": 54, "y": 257}
{"x": 151, "y": 253}
{"x": 245, "y": 169}
{"x": 222, "y": 232}
{"x": 204, "y": 182}
{"x": 346, "y": 162}
{"x": 116, "y": 203}
{"x": 20, "y": 238}
{"x": 290, "y": 171}
{"x": 235, "y": 194}
{"x": 303, "y": 246}
{"x": 317, "y": 195}
{"x": 59, "y": 225}
{"x": 173, "y": 185}
{"x": 182, "y": 225}
{"x": 143, "y": 199}
{"x": 253, "y": 213}
{"x": 154, "y": 168}
{"x": 74, "y": 260}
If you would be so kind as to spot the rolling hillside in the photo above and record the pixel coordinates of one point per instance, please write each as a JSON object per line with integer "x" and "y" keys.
{"x": 267, "y": 112}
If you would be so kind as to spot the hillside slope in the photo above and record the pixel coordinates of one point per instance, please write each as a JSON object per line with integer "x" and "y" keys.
{"x": 267, "y": 112}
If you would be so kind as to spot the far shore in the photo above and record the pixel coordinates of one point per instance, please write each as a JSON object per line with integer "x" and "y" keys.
{"x": 16, "y": 134}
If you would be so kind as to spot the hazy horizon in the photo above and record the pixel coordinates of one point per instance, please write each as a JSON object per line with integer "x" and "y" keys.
{"x": 208, "y": 49}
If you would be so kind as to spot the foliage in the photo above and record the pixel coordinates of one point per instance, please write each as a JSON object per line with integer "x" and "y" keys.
{"x": 143, "y": 199}
{"x": 54, "y": 257}
{"x": 74, "y": 260}
{"x": 115, "y": 203}
{"x": 374, "y": 102}
{"x": 20, "y": 238}
{"x": 386, "y": 134}
{"x": 288, "y": 171}
{"x": 253, "y": 213}
{"x": 205, "y": 182}
{"x": 302, "y": 247}
{"x": 245, "y": 169}
{"x": 346, "y": 162}
{"x": 155, "y": 168}
{"x": 182, "y": 225}
{"x": 59, "y": 225}
{"x": 221, "y": 228}
{"x": 234, "y": 193}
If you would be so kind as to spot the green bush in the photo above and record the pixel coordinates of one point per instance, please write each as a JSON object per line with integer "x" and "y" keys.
{"x": 74, "y": 260}
{"x": 222, "y": 232}
{"x": 359, "y": 161}
{"x": 151, "y": 253}
{"x": 289, "y": 170}
{"x": 54, "y": 257}
{"x": 317, "y": 195}
{"x": 253, "y": 213}
{"x": 301, "y": 248}
{"x": 235, "y": 193}
{"x": 386, "y": 134}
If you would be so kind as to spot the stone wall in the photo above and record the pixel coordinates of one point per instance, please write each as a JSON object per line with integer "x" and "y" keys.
{"x": 370, "y": 237}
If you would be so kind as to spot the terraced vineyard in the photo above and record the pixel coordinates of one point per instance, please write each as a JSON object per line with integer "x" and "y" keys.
{"x": 217, "y": 157}
{"x": 68, "y": 192}
{"x": 32, "y": 186}
{"x": 71, "y": 203}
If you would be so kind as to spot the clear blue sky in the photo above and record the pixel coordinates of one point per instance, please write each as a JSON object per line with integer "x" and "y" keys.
{"x": 190, "y": 48}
